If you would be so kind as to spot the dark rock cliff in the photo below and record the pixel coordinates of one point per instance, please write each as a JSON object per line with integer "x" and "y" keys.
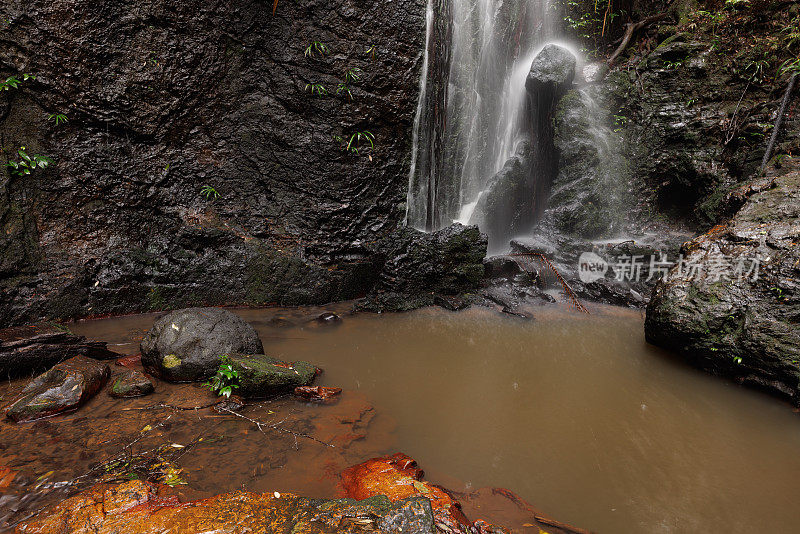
{"x": 164, "y": 97}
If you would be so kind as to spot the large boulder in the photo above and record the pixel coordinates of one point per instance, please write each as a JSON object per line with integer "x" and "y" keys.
{"x": 554, "y": 66}
{"x": 186, "y": 345}
{"x": 264, "y": 376}
{"x": 36, "y": 348}
{"x": 65, "y": 387}
{"x": 737, "y": 315}
{"x": 419, "y": 265}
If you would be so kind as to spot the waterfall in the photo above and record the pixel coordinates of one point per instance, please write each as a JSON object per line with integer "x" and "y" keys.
{"x": 471, "y": 117}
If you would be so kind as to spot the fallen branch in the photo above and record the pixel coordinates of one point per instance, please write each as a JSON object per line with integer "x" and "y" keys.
{"x": 568, "y": 290}
{"x": 261, "y": 426}
{"x": 778, "y": 122}
{"x": 537, "y": 515}
{"x": 630, "y": 29}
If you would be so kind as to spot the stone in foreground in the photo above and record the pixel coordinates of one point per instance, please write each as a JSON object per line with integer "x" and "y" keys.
{"x": 36, "y": 348}
{"x": 738, "y": 316}
{"x": 264, "y": 376}
{"x": 186, "y": 345}
{"x": 65, "y": 387}
{"x": 145, "y": 508}
{"x": 129, "y": 384}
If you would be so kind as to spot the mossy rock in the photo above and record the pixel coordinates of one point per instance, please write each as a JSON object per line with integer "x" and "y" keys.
{"x": 265, "y": 376}
{"x": 130, "y": 384}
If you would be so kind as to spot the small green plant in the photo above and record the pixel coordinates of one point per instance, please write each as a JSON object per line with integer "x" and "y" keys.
{"x": 619, "y": 122}
{"x": 737, "y": 360}
{"x": 371, "y": 51}
{"x": 354, "y": 144}
{"x": 12, "y": 82}
{"x": 209, "y": 192}
{"x": 316, "y": 89}
{"x": 58, "y": 117}
{"x": 344, "y": 88}
{"x": 27, "y": 163}
{"x": 226, "y": 380}
{"x": 790, "y": 66}
{"x": 353, "y": 75}
{"x": 316, "y": 47}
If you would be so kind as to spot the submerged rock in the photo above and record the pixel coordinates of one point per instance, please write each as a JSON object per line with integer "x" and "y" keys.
{"x": 131, "y": 383}
{"x": 318, "y": 393}
{"x": 145, "y": 508}
{"x": 328, "y": 318}
{"x": 65, "y": 387}
{"x": 186, "y": 345}
{"x": 735, "y": 313}
{"x": 264, "y": 376}
{"x": 35, "y": 348}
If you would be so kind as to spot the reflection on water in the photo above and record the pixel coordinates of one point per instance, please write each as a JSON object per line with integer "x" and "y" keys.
{"x": 575, "y": 413}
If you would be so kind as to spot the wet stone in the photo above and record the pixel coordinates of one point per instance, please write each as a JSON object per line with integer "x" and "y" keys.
{"x": 131, "y": 383}
{"x": 264, "y": 376}
{"x": 187, "y": 345}
{"x": 146, "y": 508}
{"x": 36, "y": 348}
{"x": 65, "y": 387}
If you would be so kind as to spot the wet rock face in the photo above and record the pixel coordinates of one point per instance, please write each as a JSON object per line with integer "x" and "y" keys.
{"x": 589, "y": 196}
{"x": 146, "y": 508}
{"x": 186, "y": 345}
{"x": 420, "y": 265}
{"x": 744, "y": 328}
{"x": 263, "y": 376}
{"x": 34, "y": 348}
{"x": 131, "y": 383}
{"x": 65, "y": 387}
{"x": 506, "y": 208}
{"x": 166, "y": 97}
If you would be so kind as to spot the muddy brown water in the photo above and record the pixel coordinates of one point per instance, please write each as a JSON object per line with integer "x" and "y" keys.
{"x": 575, "y": 413}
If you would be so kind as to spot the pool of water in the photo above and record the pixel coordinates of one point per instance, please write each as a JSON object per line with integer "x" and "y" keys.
{"x": 576, "y": 413}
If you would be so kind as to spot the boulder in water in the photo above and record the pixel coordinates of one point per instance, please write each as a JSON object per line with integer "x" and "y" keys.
{"x": 736, "y": 312}
{"x": 129, "y": 384}
{"x": 65, "y": 387}
{"x": 264, "y": 376}
{"x": 186, "y": 345}
{"x": 553, "y": 67}
{"x": 420, "y": 265}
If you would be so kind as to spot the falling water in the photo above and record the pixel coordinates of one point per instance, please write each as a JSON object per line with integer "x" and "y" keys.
{"x": 481, "y": 82}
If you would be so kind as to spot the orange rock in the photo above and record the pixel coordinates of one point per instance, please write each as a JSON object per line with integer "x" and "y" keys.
{"x": 143, "y": 508}
{"x": 131, "y": 362}
{"x": 398, "y": 477}
{"x": 7, "y": 476}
